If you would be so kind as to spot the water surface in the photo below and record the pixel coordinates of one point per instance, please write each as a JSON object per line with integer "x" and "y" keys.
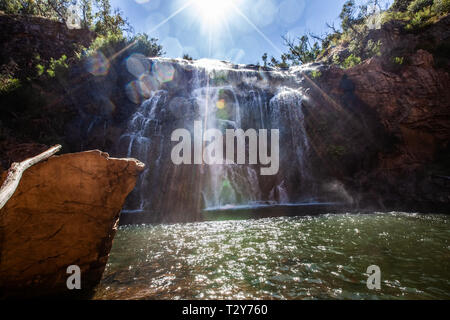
{"x": 323, "y": 257}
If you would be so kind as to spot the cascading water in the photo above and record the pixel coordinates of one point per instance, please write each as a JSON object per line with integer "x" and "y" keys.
{"x": 222, "y": 96}
{"x": 139, "y": 137}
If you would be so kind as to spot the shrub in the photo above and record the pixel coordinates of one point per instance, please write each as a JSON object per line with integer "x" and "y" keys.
{"x": 373, "y": 48}
{"x": 421, "y": 19}
{"x": 58, "y": 67}
{"x": 336, "y": 59}
{"x": 418, "y": 5}
{"x": 401, "y": 5}
{"x": 108, "y": 44}
{"x": 113, "y": 43}
{"x": 398, "y": 60}
{"x": 351, "y": 61}
{"x": 8, "y": 84}
{"x": 441, "y": 6}
{"x": 394, "y": 15}
{"x": 145, "y": 45}
{"x": 40, "y": 69}
{"x": 315, "y": 74}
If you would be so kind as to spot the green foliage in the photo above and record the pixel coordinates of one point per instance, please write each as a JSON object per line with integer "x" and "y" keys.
{"x": 347, "y": 15}
{"x": 373, "y": 48}
{"x": 149, "y": 47}
{"x": 8, "y": 84}
{"x": 303, "y": 51}
{"x": 264, "y": 59}
{"x": 421, "y": 19}
{"x": 112, "y": 44}
{"x": 418, "y": 5}
{"x": 87, "y": 17}
{"x": 279, "y": 64}
{"x": 391, "y": 15}
{"x": 351, "y": 61}
{"x": 104, "y": 21}
{"x": 354, "y": 27}
{"x": 358, "y": 18}
{"x": 336, "y": 59}
{"x": 398, "y": 60}
{"x": 108, "y": 22}
{"x": 40, "y": 69}
{"x": 51, "y": 9}
{"x": 187, "y": 57}
{"x": 401, "y": 5}
{"x": 315, "y": 74}
{"x": 11, "y": 6}
{"x": 58, "y": 67}
{"x": 418, "y": 13}
{"x": 441, "y": 6}
{"x": 107, "y": 44}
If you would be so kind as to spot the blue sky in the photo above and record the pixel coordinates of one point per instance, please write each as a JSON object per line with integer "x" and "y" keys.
{"x": 240, "y": 32}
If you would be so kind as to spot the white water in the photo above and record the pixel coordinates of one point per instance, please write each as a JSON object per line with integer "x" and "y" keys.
{"x": 227, "y": 97}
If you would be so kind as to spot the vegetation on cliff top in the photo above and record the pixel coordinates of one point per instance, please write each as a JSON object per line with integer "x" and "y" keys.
{"x": 38, "y": 89}
{"x": 112, "y": 33}
{"x": 357, "y": 21}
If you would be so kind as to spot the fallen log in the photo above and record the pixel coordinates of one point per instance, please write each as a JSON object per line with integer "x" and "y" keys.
{"x": 17, "y": 169}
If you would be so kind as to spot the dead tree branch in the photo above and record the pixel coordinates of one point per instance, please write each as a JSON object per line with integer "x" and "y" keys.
{"x": 17, "y": 169}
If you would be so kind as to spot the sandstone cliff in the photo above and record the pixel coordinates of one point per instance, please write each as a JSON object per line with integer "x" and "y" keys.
{"x": 64, "y": 212}
{"x": 386, "y": 126}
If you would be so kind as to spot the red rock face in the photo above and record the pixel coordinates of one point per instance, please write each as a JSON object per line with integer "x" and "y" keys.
{"x": 64, "y": 212}
{"x": 412, "y": 104}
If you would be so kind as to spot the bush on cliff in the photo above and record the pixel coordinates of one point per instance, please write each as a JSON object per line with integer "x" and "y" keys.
{"x": 352, "y": 38}
{"x": 418, "y": 5}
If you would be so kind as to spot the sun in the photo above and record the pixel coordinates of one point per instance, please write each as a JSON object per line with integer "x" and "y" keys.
{"x": 213, "y": 13}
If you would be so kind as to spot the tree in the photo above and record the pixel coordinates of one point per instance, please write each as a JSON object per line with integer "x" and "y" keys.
{"x": 401, "y": 5}
{"x": 87, "y": 18}
{"x": 283, "y": 64}
{"x": 108, "y": 22}
{"x": 347, "y": 16}
{"x": 303, "y": 52}
{"x": 146, "y": 46}
{"x": 264, "y": 59}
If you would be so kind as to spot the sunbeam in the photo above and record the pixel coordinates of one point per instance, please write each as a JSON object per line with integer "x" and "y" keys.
{"x": 239, "y": 12}
{"x": 181, "y": 9}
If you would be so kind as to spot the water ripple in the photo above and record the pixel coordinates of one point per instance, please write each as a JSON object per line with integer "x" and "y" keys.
{"x": 324, "y": 257}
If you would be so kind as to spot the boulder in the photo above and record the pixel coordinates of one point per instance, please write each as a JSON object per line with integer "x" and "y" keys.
{"x": 64, "y": 212}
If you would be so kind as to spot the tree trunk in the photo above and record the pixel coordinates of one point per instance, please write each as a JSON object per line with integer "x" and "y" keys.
{"x": 17, "y": 169}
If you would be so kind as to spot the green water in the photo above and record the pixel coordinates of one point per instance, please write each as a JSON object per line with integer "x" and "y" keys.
{"x": 324, "y": 257}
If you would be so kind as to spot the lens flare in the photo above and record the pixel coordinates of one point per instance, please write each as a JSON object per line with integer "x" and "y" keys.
{"x": 97, "y": 64}
{"x": 163, "y": 72}
{"x": 213, "y": 12}
{"x": 221, "y": 104}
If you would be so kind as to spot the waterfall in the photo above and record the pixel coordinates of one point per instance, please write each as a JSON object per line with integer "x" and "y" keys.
{"x": 222, "y": 96}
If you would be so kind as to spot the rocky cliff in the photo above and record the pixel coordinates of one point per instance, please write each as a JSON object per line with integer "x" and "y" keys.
{"x": 403, "y": 161}
{"x": 27, "y": 40}
{"x": 64, "y": 212}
